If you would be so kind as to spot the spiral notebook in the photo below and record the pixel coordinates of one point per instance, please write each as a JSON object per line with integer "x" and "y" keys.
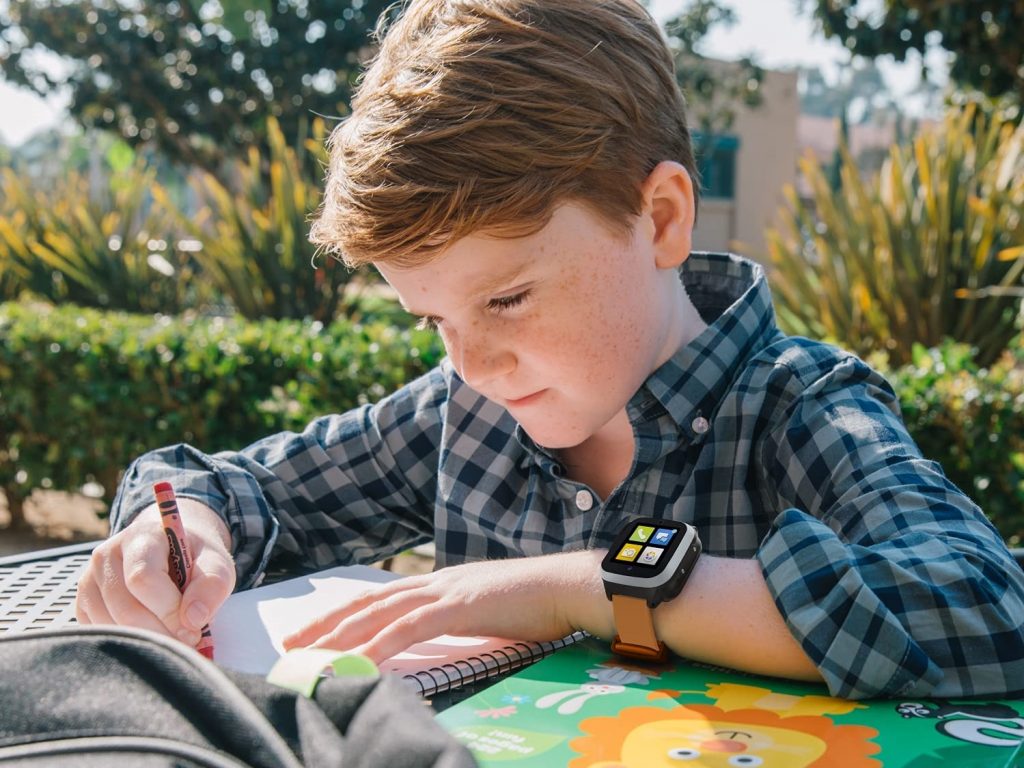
{"x": 249, "y": 628}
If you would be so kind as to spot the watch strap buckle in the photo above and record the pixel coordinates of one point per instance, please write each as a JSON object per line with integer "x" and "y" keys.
{"x": 657, "y": 655}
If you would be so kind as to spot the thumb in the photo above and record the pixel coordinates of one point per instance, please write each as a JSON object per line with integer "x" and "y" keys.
{"x": 213, "y": 579}
{"x": 145, "y": 572}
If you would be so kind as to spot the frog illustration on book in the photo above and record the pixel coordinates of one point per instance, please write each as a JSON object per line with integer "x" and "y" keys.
{"x": 992, "y": 724}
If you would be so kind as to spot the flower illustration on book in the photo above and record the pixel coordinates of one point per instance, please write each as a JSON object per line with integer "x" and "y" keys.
{"x": 495, "y": 713}
{"x": 516, "y": 698}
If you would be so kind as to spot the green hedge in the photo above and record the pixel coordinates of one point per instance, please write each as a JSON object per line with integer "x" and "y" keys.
{"x": 82, "y": 392}
{"x": 971, "y": 421}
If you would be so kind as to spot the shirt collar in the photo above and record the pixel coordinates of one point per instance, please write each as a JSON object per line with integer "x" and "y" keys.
{"x": 732, "y": 295}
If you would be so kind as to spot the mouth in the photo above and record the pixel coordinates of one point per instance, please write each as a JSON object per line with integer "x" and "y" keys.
{"x": 527, "y": 400}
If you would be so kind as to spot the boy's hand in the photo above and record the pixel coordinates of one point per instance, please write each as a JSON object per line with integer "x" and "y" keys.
{"x": 127, "y": 579}
{"x": 535, "y": 598}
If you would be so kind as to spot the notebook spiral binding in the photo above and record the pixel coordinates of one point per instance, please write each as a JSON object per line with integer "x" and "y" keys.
{"x": 486, "y": 666}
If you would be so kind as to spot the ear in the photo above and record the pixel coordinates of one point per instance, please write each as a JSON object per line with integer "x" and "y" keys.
{"x": 668, "y": 204}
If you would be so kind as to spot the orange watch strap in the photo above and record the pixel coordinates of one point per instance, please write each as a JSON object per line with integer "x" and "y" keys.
{"x": 635, "y": 625}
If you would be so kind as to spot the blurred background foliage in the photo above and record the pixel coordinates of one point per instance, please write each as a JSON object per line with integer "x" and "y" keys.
{"x": 158, "y": 255}
{"x": 930, "y": 248}
{"x": 255, "y": 225}
{"x": 983, "y": 37}
{"x": 199, "y": 80}
{"x": 66, "y": 374}
{"x": 94, "y": 244}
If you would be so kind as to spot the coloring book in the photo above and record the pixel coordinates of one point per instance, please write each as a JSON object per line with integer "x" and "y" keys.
{"x": 582, "y": 706}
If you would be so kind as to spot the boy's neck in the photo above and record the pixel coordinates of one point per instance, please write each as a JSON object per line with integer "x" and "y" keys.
{"x": 604, "y": 459}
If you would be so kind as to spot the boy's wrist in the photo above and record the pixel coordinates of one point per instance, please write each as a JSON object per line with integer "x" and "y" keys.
{"x": 197, "y": 518}
{"x": 584, "y": 603}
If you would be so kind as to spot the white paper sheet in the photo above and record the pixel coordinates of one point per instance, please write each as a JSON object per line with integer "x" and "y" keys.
{"x": 249, "y": 628}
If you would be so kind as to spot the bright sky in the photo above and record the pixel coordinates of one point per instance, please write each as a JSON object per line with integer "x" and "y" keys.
{"x": 771, "y": 30}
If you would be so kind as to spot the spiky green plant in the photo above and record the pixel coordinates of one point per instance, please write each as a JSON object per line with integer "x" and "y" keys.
{"x": 100, "y": 243}
{"x": 930, "y": 248}
{"x": 254, "y": 231}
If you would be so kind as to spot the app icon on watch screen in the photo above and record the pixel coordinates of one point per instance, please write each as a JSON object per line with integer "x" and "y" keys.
{"x": 642, "y": 533}
{"x": 663, "y": 536}
{"x": 650, "y": 555}
{"x": 628, "y": 553}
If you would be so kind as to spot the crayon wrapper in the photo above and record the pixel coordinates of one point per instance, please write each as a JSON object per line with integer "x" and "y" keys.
{"x": 179, "y": 560}
{"x": 205, "y": 645}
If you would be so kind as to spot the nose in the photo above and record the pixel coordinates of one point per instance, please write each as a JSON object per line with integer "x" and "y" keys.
{"x": 724, "y": 745}
{"x": 480, "y": 359}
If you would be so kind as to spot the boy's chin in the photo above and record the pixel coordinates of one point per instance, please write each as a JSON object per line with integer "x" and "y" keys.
{"x": 555, "y": 438}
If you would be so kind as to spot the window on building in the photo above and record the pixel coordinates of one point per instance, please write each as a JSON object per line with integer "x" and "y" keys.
{"x": 716, "y": 162}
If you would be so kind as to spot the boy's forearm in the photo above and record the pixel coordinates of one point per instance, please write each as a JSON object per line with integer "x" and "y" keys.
{"x": 724, "y": 615}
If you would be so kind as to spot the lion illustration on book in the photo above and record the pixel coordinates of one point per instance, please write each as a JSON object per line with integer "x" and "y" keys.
{"x": 702, "y": 735}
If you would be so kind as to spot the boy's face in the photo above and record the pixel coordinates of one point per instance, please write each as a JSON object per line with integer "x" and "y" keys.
{"x": 560, "y": 327}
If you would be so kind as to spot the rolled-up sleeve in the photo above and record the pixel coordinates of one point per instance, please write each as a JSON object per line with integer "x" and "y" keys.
{"x": 891, "y": 579}
{"x": 350, "y": 488}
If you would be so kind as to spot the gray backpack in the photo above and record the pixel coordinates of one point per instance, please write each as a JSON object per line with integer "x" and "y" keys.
{"x": 112, "y": 696}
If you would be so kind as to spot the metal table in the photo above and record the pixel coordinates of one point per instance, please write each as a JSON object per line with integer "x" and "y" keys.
{"x": 37, "y": 589}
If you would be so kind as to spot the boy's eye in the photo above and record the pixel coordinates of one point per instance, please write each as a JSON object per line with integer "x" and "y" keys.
{"x": 503, "y": 303}
{"x": 497, "y": 305}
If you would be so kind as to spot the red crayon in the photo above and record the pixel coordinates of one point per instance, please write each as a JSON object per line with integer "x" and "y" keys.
{"x": 179, "y": 559}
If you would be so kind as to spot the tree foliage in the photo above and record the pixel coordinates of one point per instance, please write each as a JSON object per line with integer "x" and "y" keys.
{"x": 858, "y": 92}
{"x": 713, "y": 89}
{"x": 199, "y": 79}
{"x": 984, "y": 36}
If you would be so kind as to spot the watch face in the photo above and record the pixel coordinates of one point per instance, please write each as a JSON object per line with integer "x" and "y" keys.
{"x": 644, "y": 547}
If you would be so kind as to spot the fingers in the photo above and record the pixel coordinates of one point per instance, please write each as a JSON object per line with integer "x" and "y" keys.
{"x": 134, "y": 598}
{"x": 89, "y": 606}
{"x": 360, "y": 620}
{"x": 108, "y": 595}
{"x": 419, "y": 625}
{"x": 127, "y": 582}
{"x": 142, "y": 569}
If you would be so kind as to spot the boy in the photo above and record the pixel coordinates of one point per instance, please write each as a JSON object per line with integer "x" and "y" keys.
{"x": 520, "y": 172}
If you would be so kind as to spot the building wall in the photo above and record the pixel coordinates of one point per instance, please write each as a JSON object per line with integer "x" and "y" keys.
{"x": 766, "y": 161}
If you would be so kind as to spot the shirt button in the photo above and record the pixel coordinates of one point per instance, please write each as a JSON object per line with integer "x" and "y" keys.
{"x": 700, "y": 425}
{"x": 584, "y": 500}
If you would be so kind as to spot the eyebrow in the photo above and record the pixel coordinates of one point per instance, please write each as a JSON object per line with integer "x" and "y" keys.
{"x": 489, "y": 285}
{"x": 502, "y": 280}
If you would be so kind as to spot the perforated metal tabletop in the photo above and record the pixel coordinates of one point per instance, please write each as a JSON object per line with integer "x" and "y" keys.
{"x": 37, "y": 590}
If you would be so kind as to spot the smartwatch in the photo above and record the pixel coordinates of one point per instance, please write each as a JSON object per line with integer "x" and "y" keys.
{"x": 648, "y": 563}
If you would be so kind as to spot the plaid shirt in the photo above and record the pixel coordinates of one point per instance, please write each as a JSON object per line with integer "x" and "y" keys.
{"x": 779, "y": 448}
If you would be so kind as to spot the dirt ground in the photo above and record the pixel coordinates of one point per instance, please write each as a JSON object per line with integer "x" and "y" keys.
{"x": 59, "y": 519}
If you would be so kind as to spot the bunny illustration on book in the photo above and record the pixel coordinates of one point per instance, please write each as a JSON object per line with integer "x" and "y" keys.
{"x": 619, "y": 675}
{"x": 574, "y": 698}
